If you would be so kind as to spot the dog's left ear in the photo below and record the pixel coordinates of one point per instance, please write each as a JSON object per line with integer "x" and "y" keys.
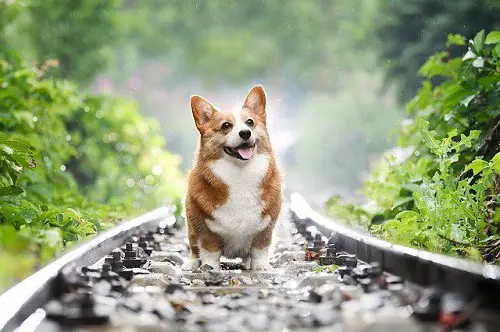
{"x": 256, "y": 101}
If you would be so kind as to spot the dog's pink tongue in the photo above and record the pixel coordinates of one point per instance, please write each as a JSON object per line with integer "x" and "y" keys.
{"x": 245, "y": 153}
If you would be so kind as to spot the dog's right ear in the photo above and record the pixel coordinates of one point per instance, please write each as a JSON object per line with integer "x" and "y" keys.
{"x": 202, "y": 111}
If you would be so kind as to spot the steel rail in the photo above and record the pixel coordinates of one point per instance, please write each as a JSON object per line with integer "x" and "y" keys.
{"x": 472, "y": 279}
{"x": 20, "y": 301}
{"x": 416, "y": 266}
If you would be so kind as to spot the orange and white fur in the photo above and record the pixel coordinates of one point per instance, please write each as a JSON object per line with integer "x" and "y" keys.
{"x": 234, "y": 192}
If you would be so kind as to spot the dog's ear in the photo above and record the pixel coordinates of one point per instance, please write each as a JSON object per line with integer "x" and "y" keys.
{"x": 256, "y": 101}
{"x": 202, "y": 111}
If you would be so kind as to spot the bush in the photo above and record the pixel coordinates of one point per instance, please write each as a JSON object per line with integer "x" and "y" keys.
{"x": 439, "y": 190}
{"x": 71, "y": 165}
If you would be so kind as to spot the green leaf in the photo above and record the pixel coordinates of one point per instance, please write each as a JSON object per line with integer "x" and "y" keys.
{"x": 326, "y": 268}
{"x": 478, "y": 41}
{"x": 428, "y": 136}
{"x": 29, "y": 211}
{"x": 492, "y": 38}
{"x": 477, "y": 166}
{"x": 377, "y": 219}
{"x": 408, "y": 215}
{"x": 11, "y": 191}
{"x": 11, "y": 214}
{"x": 467, "y": 100}
{"x": 401, "y": 201}
{"x": 495, "y": 162}
{"x": 496, "y": 50}
{"x": 435, "y": 66}
{"x": 73, "y": 214}
{"x": 455, "y": 39}
{"x": 487, "y": 82}
{"x": 478, "y": 62}
{"x": 469, "y": 55}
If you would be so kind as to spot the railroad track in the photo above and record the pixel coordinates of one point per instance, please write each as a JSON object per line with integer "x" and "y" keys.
{"x": 326, "y": 277}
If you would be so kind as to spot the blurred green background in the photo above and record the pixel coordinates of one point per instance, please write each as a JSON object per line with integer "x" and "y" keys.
{"x": 336, "y": 72}
{"x": 80, "y": 79}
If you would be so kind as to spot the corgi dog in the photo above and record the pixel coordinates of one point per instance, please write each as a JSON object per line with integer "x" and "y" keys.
{"x": 234, "y": 191}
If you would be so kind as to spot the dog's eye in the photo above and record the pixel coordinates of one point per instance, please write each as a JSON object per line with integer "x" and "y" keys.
{"x": 249, "y": 122}
{"x": 226, "y": 125}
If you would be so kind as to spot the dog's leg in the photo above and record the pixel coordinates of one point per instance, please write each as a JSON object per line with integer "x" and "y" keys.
{"x": 194, "y": 260}
{"x": 260, "y": 248}
{"x": 210, "y": 249}
{"x": 246, "y": 262}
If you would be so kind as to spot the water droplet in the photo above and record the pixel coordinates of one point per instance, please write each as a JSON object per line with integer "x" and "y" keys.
{"x": 35, "y": 119}
{"x": 417, "y": 153}
{"x": 68, "y": 138}
{"x": 63, "y": 168}
{"x": 130, "y": 182}
{"x": 86, "y": 109}
{"x": 99, "y": 114}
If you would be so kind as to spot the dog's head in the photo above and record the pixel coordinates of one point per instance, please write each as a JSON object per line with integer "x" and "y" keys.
{"x": 237, "y": 135}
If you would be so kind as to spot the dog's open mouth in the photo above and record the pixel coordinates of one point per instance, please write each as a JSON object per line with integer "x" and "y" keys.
{"x": 243, "y": 151}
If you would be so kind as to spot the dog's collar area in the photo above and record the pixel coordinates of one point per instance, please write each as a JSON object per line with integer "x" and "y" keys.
{"x": 233, "y": 152}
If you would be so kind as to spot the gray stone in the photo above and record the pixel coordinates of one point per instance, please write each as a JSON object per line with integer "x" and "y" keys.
{"x": 165, "y": 268}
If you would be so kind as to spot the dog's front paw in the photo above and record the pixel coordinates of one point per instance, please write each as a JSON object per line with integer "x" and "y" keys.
{"x": 212, "y": 259}
{"x": 259, "y": 260}
{"x": 191, "y": 264}
{"x": 247, "y": 263}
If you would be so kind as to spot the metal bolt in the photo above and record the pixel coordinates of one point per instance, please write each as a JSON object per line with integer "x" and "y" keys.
{"x": 331, "y": 250}
{"x": 106, "y": 267}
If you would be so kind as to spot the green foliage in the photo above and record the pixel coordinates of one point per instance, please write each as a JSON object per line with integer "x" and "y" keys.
{"x": 9, "y": 11}
{"x": 440, "y": 189}
{"x": 297, "y": 38}
{"x": 223, "y": 33}
{"x": 70, "y": 166}
{"x": 445, "y": 206}
{"x": 350, "y": 213}
{"x": 410, "y": 31}
{"x": 77, "y": 33}
{"x": 326, "y": 268}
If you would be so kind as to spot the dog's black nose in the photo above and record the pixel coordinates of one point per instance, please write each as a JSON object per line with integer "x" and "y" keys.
{"x": 245, "y": 134}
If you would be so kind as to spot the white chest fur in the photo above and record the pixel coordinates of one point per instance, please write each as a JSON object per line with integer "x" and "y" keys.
{"x": 239, "y": 218}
